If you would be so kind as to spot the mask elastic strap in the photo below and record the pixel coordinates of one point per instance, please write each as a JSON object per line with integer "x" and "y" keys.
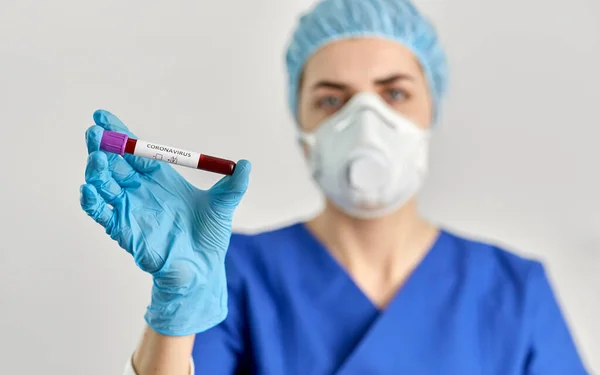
{"x": 308, "y": 138}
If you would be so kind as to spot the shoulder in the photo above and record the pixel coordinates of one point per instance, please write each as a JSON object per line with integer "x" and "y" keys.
{"x": 515, "y": 297}
{"x": 504, "y": 278}
{"x": 492, "y": 259}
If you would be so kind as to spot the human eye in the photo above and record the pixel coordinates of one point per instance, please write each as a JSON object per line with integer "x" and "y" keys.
{"x": 329, "y": 102}
{"x": 396, "y": 95}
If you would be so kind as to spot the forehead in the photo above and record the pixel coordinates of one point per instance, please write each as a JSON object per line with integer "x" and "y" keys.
{"x": 360, "y": 59}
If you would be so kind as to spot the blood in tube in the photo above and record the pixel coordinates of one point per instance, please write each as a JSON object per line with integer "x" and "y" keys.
{"x": 119, "y": 143}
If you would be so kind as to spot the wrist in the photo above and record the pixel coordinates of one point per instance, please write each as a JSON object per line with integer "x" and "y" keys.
{"x": 160, "y": 354}
{"x": 188, "y": 311}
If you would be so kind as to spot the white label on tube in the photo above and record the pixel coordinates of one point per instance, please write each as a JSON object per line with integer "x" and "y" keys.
{"x": 167, "y": 154}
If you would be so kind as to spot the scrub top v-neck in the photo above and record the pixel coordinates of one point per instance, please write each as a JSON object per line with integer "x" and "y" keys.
{"x": 467, "y": 308}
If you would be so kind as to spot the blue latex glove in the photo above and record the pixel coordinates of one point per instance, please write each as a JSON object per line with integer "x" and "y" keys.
{"x": 176, "y": 232}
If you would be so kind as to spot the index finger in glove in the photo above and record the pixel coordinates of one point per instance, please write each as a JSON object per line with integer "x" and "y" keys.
{"x": 108, "y": 121}
{"x": 93, "y": 136}
{"x": 120, "y": 169}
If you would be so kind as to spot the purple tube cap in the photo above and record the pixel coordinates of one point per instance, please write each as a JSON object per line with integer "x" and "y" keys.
{"x": 113, "y": 142}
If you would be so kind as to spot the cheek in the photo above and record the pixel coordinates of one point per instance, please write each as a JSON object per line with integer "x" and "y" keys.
{"x": 308, "y": 117}
{"x": 428, "y": 107}
{"x": 305, "y": 122}
{"x": 424, "y": 115}
{"x": 420, "y": 110}
{"x": 301, "y": 110}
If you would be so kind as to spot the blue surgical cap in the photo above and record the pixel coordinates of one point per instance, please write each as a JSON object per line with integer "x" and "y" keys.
{"x": 396, "y": 20}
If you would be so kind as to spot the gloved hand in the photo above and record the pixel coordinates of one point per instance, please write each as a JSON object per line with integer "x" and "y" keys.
{"x": 174, "y": 231}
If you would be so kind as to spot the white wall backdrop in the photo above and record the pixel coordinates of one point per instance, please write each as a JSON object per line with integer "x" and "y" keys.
{"x": 516, "y": 160}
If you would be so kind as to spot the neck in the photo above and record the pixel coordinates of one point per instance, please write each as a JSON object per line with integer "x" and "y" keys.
{"x": 391, "y": 245}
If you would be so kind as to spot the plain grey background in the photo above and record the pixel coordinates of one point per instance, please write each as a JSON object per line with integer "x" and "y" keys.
{"x": 515, "y": 161}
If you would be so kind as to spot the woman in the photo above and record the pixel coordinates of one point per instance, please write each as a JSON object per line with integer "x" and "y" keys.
{"x": 367, "y": 286}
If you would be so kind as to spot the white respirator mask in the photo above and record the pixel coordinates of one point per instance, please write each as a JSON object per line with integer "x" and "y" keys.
{"x": 368, "y": 159}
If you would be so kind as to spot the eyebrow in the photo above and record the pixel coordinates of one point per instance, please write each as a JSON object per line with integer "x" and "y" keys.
{"x": 394, "y": 78}
{"x": 379, "y": 82}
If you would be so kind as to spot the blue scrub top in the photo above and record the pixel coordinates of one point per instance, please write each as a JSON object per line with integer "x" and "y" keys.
{"x": 468, "y": 308}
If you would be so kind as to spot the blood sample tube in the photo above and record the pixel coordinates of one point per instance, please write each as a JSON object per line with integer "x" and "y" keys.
{"x": 119, "y": 143}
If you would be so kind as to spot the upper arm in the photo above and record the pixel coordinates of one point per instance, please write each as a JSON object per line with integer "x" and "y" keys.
{"x": 552, "y": 349}
{"x": 220, "y": 350}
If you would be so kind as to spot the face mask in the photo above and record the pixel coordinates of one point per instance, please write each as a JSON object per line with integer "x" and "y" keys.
{"x": 368, "y": 159}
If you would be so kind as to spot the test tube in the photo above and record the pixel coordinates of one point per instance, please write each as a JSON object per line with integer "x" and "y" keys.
{"x": 121, "y": 144}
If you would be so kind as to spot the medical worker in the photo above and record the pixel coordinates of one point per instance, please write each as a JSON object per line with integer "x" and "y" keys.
{"x": 367, "y": 287}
